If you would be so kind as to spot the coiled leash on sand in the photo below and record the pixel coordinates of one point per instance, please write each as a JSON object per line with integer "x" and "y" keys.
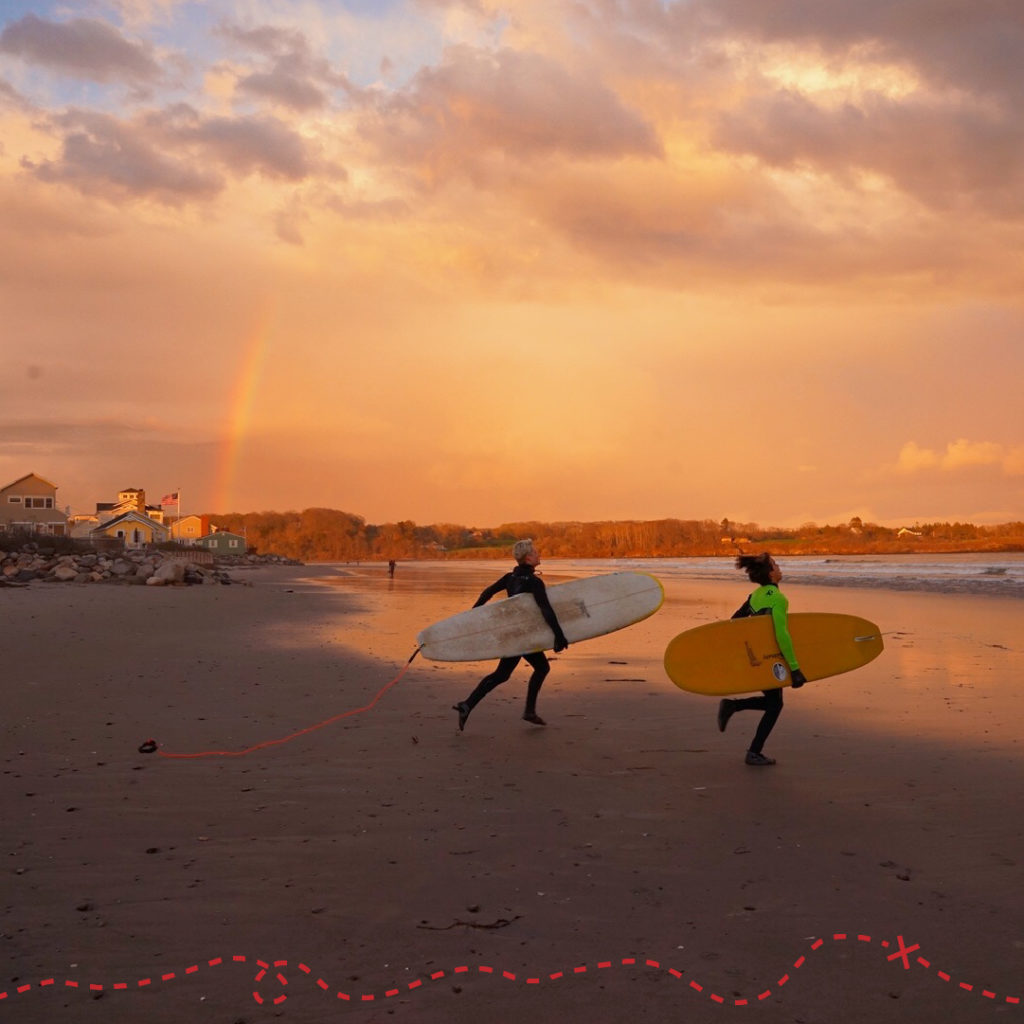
{"x": 152, "y": 747}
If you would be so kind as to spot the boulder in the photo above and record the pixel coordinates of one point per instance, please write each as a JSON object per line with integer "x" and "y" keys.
{"x": 169, "y": 572}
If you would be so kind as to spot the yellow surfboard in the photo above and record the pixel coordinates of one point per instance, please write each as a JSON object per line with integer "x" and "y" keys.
{"x": 742, "y": 655}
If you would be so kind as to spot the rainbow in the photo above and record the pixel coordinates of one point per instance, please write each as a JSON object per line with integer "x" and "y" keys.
{"x": 240, "y": 406}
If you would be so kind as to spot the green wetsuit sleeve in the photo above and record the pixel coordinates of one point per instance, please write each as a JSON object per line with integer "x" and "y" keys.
{"x": 771, "y": 598}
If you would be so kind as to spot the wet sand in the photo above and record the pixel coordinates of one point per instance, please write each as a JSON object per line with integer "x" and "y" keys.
{"x": 625, "y": 847}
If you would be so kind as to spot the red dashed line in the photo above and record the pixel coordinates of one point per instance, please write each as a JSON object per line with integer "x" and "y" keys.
{"x": 273, "y": 972}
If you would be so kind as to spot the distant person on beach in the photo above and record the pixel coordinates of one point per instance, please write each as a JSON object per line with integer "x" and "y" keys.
{"x": 391, "y": 568}
{"x": 523, "y": 579}
{"x": 766, "y": 600}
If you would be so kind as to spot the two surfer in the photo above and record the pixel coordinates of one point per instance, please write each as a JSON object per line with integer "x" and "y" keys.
{"x": 767, "y": 599}
{"x": 523, "y": 579}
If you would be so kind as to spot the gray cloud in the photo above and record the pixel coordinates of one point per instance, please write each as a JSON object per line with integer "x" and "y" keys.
{"x": 83, "y": 47}
{"x": 956, "y": 140}
{"x": 291, "y": 76}
{"x": 938, "y": 154}
{"x": 521, "y": 104}
{"x": 104, "y": 156}
{"x": 968, "y": 44}
{"x": 172, "y": 155}
{"x": 255, "y": 144}
{"x": 282, "y": 86}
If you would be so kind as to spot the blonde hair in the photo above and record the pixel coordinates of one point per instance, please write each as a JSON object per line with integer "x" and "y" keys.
{"x": 522, "y": 549}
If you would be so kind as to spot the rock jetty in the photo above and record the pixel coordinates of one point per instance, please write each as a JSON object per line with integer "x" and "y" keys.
{"x": 34, "y": 562}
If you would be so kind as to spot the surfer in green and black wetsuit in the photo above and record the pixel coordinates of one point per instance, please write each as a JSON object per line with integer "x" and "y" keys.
{"x": 766, "y": 600}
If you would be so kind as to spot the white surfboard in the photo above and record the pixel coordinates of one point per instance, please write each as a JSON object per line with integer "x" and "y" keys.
{"x": 585, "y": 608}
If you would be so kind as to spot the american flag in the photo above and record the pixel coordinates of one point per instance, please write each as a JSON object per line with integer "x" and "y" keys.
{"x": 169, "y": 499}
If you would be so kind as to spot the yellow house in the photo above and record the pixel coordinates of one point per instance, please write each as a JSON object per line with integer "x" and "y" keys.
{"x": 188, "y": 529}
{"x": 134, "y": 529}
{"x": 30, "y": 504}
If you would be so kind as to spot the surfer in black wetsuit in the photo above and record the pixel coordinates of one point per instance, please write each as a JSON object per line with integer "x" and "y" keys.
{"x": 521, "y": 580}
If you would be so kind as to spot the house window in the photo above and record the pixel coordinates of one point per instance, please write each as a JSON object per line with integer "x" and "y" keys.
{"x": 14, "y": 499}
{"x": 232, "y": 543}
{"x": 39, "y": 503}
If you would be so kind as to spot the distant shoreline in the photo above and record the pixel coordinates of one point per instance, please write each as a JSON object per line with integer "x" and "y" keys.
{"x": 974, "y": 580}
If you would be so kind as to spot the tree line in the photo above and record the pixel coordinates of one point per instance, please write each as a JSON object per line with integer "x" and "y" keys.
{"x": 329, "y": 535}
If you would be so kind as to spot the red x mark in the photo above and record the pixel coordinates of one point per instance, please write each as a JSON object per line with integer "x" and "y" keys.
{"x": 903, "y": 953}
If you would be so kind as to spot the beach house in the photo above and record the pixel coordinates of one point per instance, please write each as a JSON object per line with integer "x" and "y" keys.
{"x": 133, "y": 529}
{"x": 189, "y": 529}
{"x": 131, "y": 499}
{"x": 29, "y": 504}
{"x": 221, "y": 542}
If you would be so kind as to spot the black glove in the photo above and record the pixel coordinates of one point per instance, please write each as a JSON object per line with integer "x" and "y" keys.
{"x": 560, "y": 644}
{"x": 797, "y": 679}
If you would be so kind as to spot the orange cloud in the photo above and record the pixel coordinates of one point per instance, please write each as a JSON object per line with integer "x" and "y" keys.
{"x": 961, "y": 454}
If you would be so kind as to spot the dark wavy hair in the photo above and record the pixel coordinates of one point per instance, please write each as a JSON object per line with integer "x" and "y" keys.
{"x": 757, "y": 567}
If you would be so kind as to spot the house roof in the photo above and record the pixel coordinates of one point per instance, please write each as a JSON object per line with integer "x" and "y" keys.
{"x": 133, "y": 516}
{"x": 29, "y": 476}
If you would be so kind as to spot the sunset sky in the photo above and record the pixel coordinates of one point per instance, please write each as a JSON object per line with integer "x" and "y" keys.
{"x": 478, "y": 262}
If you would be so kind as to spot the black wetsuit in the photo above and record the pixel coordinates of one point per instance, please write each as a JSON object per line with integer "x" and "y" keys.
{"x": 521, "y": 580}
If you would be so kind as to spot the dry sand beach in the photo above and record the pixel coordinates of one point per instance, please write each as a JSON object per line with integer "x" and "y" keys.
{"x": 431, "y": 876}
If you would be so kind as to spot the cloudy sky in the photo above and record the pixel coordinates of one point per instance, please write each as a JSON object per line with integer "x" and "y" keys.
{"x": 475, "y": 262}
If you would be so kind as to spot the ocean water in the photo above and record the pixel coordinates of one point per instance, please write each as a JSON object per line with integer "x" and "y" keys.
{"x": 996, "y": 574}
